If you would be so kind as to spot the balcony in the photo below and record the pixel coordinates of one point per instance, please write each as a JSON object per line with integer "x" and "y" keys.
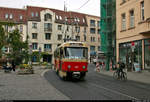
{"x": 47, "y": 29}
{"x": 144, "y": 28}
{"x": 47, "y": 50}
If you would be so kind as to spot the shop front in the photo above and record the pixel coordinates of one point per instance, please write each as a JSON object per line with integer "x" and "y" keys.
{"x": 131, "y": 54}
{"x": 147, "y": 54}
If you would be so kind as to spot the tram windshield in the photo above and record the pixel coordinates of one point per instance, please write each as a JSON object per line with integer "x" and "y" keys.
{"x": 76, "y": 52}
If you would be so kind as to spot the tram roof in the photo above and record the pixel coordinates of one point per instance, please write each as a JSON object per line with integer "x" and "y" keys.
{"x": 72, "y": 42}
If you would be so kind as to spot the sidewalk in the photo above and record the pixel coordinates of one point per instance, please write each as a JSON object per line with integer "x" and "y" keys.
{"x": 143, "y": 76}
{"x": 28, "y": 87}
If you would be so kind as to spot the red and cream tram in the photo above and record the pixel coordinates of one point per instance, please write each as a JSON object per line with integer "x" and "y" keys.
{"x": 71, "y": 60}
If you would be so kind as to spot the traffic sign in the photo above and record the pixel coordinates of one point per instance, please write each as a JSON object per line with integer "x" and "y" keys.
{"x": 132, "y": 43}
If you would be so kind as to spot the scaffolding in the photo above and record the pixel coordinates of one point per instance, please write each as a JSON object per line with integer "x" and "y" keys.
{"x": 108, "y": 31}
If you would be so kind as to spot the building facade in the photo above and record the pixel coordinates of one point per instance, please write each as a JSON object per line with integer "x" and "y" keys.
{"x": 47, "y": 28}
{"x": 133, "y": 33}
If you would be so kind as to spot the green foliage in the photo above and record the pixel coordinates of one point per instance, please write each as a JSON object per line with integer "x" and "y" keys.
{"x": 19, "y": 49}
{"x": 25, "y": 66}
{"x": 2, "y": 39}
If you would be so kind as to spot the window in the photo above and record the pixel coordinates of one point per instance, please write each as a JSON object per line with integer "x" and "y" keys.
{"x": 34, "y": 58}
{"x": 34, "y": 25}
{"x": 20, "y": 17}
{"x": 99, "y": 48}
{"x": 32, "y": 14}
{"x": 34, "y": 35}
{"x": 78, "y": 38}
{"x": 84, "y": 37}
{"x": 56, "y": 16}
{"x": 59, "y": 37}
{"x": 92, "y": 30}
{"x": 98, "y": 23}
{"x": 6, "y": 16}
{"x": 10, "y": 16}
{"x": 6, "y": 28}
{"x": 123, "y": 1}
{"x": 67, "y": 28}
{"x": 47, "y": 27}
{"x": 34, "y": 46}
{"x": 98, "y": 31}
{"x": 47, "y": 17}
{"x": 77, "y": 29}
{"x": 83, "y": 20}
{"x": 21, "y": 28}
{"x": 132, "y": 18}
{"x": 92, "y": 48}
{"x": 59, "y": 27}
{"x": 92, "y": 39}
{"x": 84, "y": 30}
{"x": 142, "y": 11}
{"x": 36, "y": 14}
{"x": 92, "y": 23}
{"x": 47, "y": 36}
{"x": 123, "y": 22}
{"x": 98, "y": 39}
{"x": 60, "y": 17}
{"x": 147, "y": 53}
{"x": 47, "y": 47}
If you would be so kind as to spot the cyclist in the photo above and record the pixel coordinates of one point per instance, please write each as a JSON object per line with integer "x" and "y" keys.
{"x": 120, "y": 67}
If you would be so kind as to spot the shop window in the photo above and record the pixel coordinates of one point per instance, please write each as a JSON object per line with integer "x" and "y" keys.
{"x": 147, "y": 54}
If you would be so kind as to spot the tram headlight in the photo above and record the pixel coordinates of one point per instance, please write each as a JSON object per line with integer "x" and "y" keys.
{"x": 69, "y": 66}
{"x": 83, "y": 67}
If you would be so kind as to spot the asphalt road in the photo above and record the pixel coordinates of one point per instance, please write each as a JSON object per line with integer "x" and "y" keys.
{"x": 99, "y": 87}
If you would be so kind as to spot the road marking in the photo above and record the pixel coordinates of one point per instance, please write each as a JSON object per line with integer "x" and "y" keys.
{"x": 114, "y": 91}
{"x": 42, "y": 74}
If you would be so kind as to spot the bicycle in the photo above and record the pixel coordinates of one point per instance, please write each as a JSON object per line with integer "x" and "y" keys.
{"x": 120, "y": 75}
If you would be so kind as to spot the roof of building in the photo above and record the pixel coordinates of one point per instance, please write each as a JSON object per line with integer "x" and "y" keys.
{"x": 32, "y": 13}
{"x": 13, "y": 15}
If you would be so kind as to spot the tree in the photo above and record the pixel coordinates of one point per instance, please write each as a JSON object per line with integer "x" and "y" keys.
{"x": 19, "y": 49}
{"x": 2, "y": 39}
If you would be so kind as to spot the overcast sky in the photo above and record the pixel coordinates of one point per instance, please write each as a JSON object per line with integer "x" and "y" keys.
{"x": 92, "y": 7}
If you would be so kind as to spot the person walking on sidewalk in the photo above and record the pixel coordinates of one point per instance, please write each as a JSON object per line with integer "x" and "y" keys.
{"x": 13, "y": 65}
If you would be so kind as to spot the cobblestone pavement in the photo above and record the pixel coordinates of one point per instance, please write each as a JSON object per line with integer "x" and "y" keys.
{"x": 27, "y": 87}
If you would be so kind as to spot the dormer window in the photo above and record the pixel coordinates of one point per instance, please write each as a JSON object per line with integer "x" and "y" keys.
{"x": 60, "y": 17}
{"x": 32, "y": 14}
{"x": 6, "y": 16}
{"x": 56, "y": 16}
{"x": 78, "y": 19}
{"x": 47, "y": 17}
{"x": 20, "y": 17}
{"x": 83, "y": 20}
{"x": 36, "y": 14}
{"x": 10, "y": 16}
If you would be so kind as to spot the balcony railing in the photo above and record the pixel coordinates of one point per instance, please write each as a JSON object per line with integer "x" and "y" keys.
{"x": 47, "y": 29}
{"x": 47, "y": 50}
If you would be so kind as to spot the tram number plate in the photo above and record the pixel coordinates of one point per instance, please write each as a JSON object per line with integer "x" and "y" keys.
{"x": 76, "y": 72}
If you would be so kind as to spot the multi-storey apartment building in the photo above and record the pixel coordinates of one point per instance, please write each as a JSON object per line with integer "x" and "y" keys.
{"x": 133, "y": 33}
{"x": 47, "y": 28}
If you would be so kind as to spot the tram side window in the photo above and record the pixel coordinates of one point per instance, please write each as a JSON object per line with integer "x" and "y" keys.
{"x": 61, "y": 53}
{"x": 85, "y": 53}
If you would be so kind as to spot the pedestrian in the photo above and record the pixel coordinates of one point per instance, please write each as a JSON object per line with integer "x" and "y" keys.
{"x": 13, "y": 66}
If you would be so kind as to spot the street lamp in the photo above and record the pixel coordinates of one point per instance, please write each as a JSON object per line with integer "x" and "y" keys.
{"x": 39, "y": 54}
{"x": 30, "y": 52}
